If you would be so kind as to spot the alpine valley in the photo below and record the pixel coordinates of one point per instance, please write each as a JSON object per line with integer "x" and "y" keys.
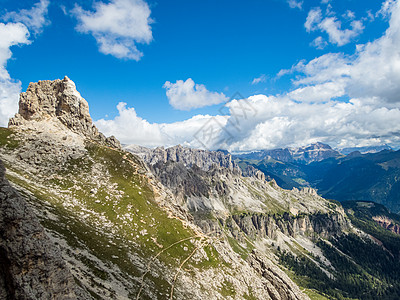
{"x": 83, "y": 217}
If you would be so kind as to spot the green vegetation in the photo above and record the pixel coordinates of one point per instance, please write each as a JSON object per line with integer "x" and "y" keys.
{"x": 361, "y": 213}
{"x": 7, "y": 140}
{"x": 366, "y": 271}
{"x": 228, "y": 289}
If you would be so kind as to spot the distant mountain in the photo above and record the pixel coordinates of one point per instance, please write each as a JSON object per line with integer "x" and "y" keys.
{"x": 305, "y": 155}
{"x": 368, "y": 177}
{"x": 365, "y": 150}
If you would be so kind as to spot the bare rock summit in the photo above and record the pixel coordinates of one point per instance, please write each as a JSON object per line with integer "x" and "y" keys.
{"x": 56, "y": 105}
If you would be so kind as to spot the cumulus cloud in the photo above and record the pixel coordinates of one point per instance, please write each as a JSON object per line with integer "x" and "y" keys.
{"x": 333, "y": 27}
{"x": 257, "y": 80}
{"x": 117, "y": 26}
{"x": 34, "y": 19}
{"x": 198, "y": 131}
{"x": 186, "y": 95}
{"x": 373, "y": 70}
{"x": 319, "y": 92}
{"x": 281, "y": 122}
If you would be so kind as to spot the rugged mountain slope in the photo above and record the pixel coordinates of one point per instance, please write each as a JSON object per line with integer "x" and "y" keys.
{"x": 312, "y": 237}
{"x": 31, "y": 265}
{"x": 121, "y": 233}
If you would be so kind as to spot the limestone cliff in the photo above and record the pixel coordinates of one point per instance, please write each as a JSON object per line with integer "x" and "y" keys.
{"x": 189, "y": 157}
{"x": 53, "y": 105}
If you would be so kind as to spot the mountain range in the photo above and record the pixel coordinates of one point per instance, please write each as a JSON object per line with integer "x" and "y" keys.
{"x": 84, "y": 218}
{"x": 373, "y": 176}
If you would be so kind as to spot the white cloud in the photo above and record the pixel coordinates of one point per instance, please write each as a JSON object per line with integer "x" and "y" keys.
{"x": 16, "y": 34}
{"x": 333, "y": 27}
{"x": 314, "y": 17}
{"x": 319, "y": 92}
{"x": 328, "y": 67}
{"x": 9, "y": 93}
{"x": 373, "y": 71}
{"x": 295, "y": 3}
{"x": 349, "y": 15}
{"x": 280, "y": 122}
{"x": 117, "y": 26}
{"x": 338, "y": 36}
{"x": 34, "y": 19}
{"x": 386, "y": 8}
{"x": 131, "y": 129}
{"x": 257, "y": 80}
{"x": 11, "y": 34}
{"x": 186, "y": 95}
{"x": 319, "y": 43}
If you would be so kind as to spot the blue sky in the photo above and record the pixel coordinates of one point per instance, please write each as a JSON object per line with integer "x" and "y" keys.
{"x": 175, "y": 63}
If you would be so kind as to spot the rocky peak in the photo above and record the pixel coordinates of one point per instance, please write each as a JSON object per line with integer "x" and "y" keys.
{"x": 189, "y": 157}
{"x": 57, "y": 103}
{"x": 314, "y": 152}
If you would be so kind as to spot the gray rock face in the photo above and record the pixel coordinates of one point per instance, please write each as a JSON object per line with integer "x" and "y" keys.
{"x": 205, "y": 160}
{"x": 187, "y": 156}
{"x": 323, "y": 225}
{"x": 278, "y": 284}
{"x": 31, "y": 266}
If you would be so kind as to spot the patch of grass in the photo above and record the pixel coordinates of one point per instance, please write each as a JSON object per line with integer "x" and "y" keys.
{"x": 243, "y": 252}
{"x": 213, "y": 259}
{"x": 314, "y": 295}
{"x": 228, "y": 289}
{"x": 7, "y": 140}
{"x": 250, "y": 295}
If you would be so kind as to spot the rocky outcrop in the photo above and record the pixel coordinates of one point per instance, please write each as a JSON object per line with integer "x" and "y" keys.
{"x": 57, "y": 103}
{"x": 31, "y": 266}
{"x": 187, "y": 156}
{"x": 269, "y": 226}
{"x": 203, "y": 159}
{"x": 387, "y": 223}
{"x": 278, "y": 284}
